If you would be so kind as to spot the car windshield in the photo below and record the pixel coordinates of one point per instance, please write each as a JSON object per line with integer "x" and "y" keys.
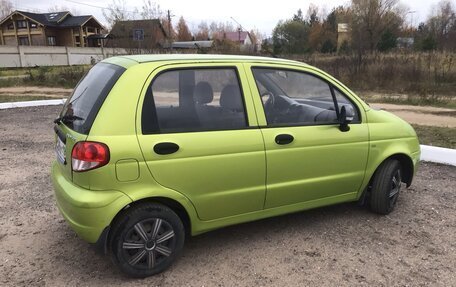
{"x": 81, "y": 109}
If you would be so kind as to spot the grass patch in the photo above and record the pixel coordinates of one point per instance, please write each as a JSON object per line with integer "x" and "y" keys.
{"x": 8, "y": 72}
{"x": 63, "y": 76}
{"x": 14, "y": 98}
{"x": 436, "y": 136}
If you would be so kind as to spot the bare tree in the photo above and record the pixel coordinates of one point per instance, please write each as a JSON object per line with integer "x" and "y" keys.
{"x": 442, "y": 25}
{"x": 313, "y": 14}
{"x": 151, "y": 10}
{"x": 6, "y": 7}
{"x": 58, "y": 8}
{"x": 217, "y": 29}
{"x": 183, "y": 32}
{"x": 370, "y": 19}
{"x": 117, "y": 11}
{"x": 203, "y": 31}
{"x": 168, "y": 27}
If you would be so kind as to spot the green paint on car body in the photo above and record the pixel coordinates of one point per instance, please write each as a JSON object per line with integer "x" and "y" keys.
{"x": 222, "y": 177}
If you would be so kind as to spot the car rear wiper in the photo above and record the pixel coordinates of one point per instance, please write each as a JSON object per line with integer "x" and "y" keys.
{"x": 67, "y": 119}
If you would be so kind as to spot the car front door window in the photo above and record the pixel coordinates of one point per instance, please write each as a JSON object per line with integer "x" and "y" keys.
{"x": 295, "y": 98}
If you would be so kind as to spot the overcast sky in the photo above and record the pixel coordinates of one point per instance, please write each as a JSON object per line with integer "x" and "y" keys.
{"x": 250, "y": 14}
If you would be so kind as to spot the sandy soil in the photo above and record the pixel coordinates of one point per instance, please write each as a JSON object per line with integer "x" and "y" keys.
{"x": 342, "y": 245}
{"x": 428, "y": 116}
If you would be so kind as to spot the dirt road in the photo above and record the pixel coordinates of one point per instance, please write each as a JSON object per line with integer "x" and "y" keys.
{"x": 427, "y": 116}
{"x": 341, "y": 245}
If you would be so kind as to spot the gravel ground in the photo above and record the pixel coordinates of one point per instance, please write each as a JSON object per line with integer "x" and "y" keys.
{"x": 341, "y": 245}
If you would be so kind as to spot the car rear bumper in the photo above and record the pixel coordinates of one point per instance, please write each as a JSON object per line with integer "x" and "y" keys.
{"x": 88, "y": 212}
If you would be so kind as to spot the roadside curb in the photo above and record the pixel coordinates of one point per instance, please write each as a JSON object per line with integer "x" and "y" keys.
{"x": 37, "y": 103}
{"x": 438, "y": 155}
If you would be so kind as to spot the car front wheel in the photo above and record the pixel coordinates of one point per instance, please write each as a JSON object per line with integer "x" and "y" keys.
{"x": 386, "y": 186}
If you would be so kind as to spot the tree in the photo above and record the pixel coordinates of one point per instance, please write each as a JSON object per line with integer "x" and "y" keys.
{"x": 117, "y": 11}
{"x": 58, "y": 8}
{"x": 6, "y": 7}
{"x": 183, "y": 33}
{"x": 439, "y": 31}
{"x": 290, "y": 37}
{"x": 168, "y": 27}
{"x": 312, "y": 15}
{"x": 218, "y": 29}
{"x": 298, "y": 17}
{"x": 150, "y": 10}
{"x": 442, "y": 26}
{"x": 387, "y": 42}
{"x": 203, "y": 32}
{"x": 370, "y": 19}
{"x": 328, "y": 47}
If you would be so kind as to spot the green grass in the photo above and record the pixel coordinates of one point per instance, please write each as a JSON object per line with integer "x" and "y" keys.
{"x": 436, "y": 136}
{"x": 63, "y": 76}
{"x": 4, "y": 72}
{"x": 14, "y": 98}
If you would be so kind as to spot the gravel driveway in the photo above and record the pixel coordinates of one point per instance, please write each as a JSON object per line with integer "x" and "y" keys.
{"x": 341, "y": 245}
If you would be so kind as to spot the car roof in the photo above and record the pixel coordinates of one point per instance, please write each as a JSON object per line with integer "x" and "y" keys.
{"x": 130, "y": 60}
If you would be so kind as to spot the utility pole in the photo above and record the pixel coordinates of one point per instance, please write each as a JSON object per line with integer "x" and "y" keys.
{"x": 169, "y": 23}
{"x": 169, "y": 30}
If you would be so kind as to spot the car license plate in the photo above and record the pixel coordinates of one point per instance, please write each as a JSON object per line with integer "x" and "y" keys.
{"x": 60, "y": 151}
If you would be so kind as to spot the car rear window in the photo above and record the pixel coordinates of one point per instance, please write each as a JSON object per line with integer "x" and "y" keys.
{"x": 89, "y": 95}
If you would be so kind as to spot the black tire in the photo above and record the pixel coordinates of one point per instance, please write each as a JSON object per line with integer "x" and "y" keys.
{"x": 386, "y": 186}
{"x": 146, "y": 239}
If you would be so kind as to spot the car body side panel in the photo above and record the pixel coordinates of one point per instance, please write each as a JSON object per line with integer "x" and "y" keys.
{"x": 321, "y": 162}
{"x": 389, "y": 135}
{"x": 221, "y": 172}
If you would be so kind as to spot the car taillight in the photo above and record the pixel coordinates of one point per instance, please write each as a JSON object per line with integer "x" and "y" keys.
{"x": 89, "y": 155}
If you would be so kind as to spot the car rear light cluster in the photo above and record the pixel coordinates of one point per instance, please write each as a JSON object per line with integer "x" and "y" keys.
{"x": 88, "y": 155}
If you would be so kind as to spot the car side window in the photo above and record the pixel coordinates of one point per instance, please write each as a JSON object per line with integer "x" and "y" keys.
{"x": 295, "y": 98}
{"x": 194, "y": 100}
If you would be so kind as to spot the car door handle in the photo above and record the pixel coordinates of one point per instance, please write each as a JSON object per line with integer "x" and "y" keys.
{"x": 166, "y": 148}
{"x": 284, "y": 139}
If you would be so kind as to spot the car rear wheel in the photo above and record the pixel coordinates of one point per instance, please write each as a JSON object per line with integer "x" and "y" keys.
{"x": 147, "y": 239}
{"x": 386, "y": 186}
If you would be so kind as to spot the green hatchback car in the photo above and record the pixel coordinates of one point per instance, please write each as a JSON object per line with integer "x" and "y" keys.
{"x": 151, "y": 149}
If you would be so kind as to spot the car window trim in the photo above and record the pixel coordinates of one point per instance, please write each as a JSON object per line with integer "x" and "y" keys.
{"x": 334, "y": 88}
{"x": 149, "y": 95}
{"x": 331, "y": 87}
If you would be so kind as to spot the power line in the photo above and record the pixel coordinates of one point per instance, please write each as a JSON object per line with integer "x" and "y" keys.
{"x": 27, "y": 8}
{"x": 240, "y": 26}
{"x": 101, "y": 7}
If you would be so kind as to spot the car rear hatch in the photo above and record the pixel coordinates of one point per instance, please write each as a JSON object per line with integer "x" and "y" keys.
{"x": 79, "y": 112}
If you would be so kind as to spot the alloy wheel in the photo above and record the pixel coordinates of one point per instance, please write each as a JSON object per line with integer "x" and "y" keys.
{"x": 148, "y": 243}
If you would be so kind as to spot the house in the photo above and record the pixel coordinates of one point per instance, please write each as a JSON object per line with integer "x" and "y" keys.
{"x": 49, "y": 29}
{"x": 343, "y": 35}
{"x": 137, "y": 34}
{"x": 405, "y": 42}
{"x": 241, "y": 37}
{"x": 190, "y": 45}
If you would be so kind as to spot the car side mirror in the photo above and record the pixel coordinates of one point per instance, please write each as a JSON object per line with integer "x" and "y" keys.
{"x": 346, "y": 116}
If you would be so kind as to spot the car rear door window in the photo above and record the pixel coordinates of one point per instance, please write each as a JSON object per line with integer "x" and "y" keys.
{"x": 194, "y": 100}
